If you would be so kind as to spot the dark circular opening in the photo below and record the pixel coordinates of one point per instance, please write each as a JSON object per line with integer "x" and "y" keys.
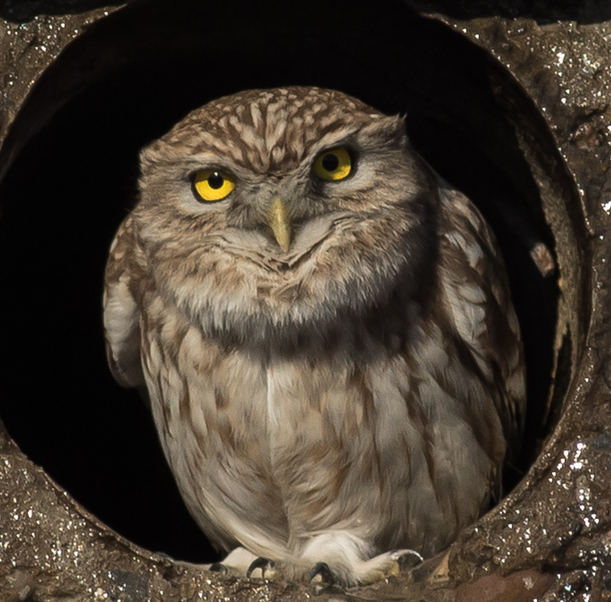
{"x": 128, "y": 80}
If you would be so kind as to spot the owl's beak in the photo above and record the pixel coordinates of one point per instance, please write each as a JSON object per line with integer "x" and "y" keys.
{"x": 280, "y": 224}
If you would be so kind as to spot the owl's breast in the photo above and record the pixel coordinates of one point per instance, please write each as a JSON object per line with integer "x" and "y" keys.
{"x": 267, "y": 450}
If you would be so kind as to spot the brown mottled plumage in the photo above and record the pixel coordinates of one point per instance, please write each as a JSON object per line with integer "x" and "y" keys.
{"x": 332, "y": 389}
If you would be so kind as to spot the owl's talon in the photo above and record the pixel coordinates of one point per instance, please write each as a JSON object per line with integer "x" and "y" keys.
{"x": 265, "y": 564}
{"x": 406, "y": 559}
{"x": 322, "y": 570}
{"x": 218, "y": 567}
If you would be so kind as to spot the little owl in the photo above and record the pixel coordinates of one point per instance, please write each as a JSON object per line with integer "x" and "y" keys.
{"x": 325, "y": 331}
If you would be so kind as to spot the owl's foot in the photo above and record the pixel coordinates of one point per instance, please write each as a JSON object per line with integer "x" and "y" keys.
{"x": 401, "y": 560}
{"x": 265, "y": 565}
{"x": 321, "y": 572}
{"x": 218, "y": 567}
{"x": 238, "y": 562}
{"x": 341, "y": 558}
{"x": 365, "y": 572}
{"x": 327, "y": 559}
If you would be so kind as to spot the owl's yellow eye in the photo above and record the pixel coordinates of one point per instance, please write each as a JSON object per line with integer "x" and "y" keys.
{"x": 333, "y": 165}
{"x": 211, "y": 185}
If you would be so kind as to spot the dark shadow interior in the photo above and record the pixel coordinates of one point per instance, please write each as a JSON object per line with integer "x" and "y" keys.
{"x": 72, "y": 183}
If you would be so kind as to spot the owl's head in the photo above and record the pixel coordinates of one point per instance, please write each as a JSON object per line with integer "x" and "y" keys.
{"x": 269, "y": 212}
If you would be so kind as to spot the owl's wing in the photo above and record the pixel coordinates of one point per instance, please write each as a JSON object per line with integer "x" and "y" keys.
{"x": 478, "y": 297}
{"x": 121, "y": 313}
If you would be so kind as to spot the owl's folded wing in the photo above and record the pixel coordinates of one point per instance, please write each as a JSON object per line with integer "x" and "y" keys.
{"x": 121, "y": 313}
{"x": 478, "y": 296}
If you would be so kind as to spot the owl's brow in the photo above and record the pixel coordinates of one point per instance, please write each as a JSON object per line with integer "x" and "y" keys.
{"x": 343, "y": 138}
{"x": 207, "y": 159}
{"x": 283, "y": 157}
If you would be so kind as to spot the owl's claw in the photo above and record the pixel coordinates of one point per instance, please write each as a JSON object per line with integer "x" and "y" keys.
{"x": 265, "y": 564}
{"x": 406, "y": 559}
{"x": 218, "y": 567}
{"x": 321, "y": 572}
